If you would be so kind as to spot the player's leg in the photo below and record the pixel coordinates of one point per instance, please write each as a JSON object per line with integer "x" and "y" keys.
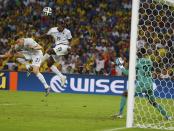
{"x": 36, "y": 62}
{"x": 42, "y": 79}
{"x": 56, "y": 71}
{"x": 24, "y": 59}
{"x": 122, "y": 105}
{"x": 45, "y": 57}
{"x": 58, "y": 50}
{"x": 152, "y": 101}
{"x": 48, "y": 56}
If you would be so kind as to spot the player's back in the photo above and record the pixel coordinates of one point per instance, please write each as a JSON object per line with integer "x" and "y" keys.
{"x": 144, "y": 72}
{"x": 29, "y": 42}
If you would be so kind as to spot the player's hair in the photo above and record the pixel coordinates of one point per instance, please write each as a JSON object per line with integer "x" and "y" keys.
{"x": 61, "y": 22}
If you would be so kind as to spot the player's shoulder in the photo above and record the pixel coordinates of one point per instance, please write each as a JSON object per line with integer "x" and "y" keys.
{"x": 144, "y": 61}
{"x": 53, "y": 29}
{"x": 28, "y": 39}
{"x": 67, "y": 30}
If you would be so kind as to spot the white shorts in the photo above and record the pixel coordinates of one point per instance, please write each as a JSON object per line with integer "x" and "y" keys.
{"x": 61, "y": 49}
{"x": 34, "y": 57}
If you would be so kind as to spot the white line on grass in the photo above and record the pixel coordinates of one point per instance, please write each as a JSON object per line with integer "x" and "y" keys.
{"x": 145, "y": 127}
{"x": 7, "y": 104}
{"x": 115, "y": 129}
{"x": 157, "y": 125}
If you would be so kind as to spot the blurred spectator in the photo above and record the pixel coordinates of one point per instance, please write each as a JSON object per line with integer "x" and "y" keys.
{"x": 95, "y": 26}
{"x": 99, "y": 65}
{"x": 100, "y": 28}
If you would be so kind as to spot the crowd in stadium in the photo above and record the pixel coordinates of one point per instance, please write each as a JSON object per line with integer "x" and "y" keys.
{"x": 100, "y": 30}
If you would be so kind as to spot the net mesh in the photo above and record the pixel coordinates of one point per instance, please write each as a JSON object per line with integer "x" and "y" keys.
{"x": 154, "y": 105}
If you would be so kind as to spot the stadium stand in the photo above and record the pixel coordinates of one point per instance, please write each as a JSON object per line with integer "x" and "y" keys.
{"x": 100, "y": 29}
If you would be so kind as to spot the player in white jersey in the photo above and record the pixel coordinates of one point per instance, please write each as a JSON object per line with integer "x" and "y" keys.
{"x": 62, "y": 38}
{"x": 26, "y": 49}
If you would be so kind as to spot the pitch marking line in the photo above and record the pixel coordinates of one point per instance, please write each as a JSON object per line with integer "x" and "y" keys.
{"x": 155, "y": 125}
{"x": 115, "y": 129}
{"x": 7, "y": 104}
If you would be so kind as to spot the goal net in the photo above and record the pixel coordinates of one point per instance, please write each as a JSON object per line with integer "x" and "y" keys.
{"x": 152, "y": 104}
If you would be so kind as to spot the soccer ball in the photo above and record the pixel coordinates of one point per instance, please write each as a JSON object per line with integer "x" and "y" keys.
{"x": 47, "y": 11}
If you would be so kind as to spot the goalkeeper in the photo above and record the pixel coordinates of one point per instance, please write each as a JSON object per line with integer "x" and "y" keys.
{"x": 144, "y": 83}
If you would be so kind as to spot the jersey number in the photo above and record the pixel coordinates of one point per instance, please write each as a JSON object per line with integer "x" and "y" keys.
{"x": 37, "y": 60}
{"x": 58, "y": 38}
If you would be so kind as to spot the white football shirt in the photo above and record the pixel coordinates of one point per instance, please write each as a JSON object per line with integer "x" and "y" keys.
{"x": 60, "y": 37}
{"x": 29, "y": 42}
{"x": 25, "y": 48}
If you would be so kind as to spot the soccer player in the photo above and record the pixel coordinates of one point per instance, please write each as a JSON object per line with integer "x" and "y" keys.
{"x": 62, "y": 38}
{"x": 144, "y": 83}
{"x": 120, "y": 63}
{"x": 26, "y": 49}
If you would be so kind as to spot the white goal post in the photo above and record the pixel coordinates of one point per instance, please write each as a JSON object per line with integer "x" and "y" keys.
{"x": 152, "y": 28}
{"x": 132, "y": 62}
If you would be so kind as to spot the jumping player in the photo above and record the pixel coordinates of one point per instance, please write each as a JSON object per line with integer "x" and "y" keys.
{"x": 62, "y": 38}
{"x": 26, "y": 49}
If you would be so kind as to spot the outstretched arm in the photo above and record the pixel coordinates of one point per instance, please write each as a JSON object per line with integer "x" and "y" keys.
{"x": 36, "y": 47}
{"x": 10, "y": 53}
{"x": 125, "y": 71}
{"x": 119, "y": 61}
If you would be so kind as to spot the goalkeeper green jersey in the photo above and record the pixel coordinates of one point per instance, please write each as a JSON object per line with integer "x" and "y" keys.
{"x": 144, "y": 79}
{"x": 144, "y": 74}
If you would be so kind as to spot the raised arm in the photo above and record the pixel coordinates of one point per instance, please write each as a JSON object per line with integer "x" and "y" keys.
{"x": 9, "y": 53}
{"x": 119, "y": 61}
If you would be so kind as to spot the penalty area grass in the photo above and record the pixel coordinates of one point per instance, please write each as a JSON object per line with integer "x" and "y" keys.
{"x": 26, "y": 111}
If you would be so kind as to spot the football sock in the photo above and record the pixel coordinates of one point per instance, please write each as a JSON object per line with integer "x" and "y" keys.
{"x": 56, "y": 71}
{"x": 157, "y": 106}
{"x": 122, "y": 104}
{"x": 161, "y": 110}
{"x": 42, "y": 79}
{"x": 27, "y": 66}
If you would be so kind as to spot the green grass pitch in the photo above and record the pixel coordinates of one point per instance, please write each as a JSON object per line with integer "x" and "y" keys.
{"x": 31, "y": 111}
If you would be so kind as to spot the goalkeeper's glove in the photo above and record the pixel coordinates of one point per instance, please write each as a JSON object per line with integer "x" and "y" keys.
{"x": 121, "y": 67}
{"x": 119, "y": 61}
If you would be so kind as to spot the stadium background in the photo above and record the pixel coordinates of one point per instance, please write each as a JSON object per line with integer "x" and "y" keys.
{"x": 97, "y": 29}
{"x": 101, "y": 32}
{"x": 100, "y": 29}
